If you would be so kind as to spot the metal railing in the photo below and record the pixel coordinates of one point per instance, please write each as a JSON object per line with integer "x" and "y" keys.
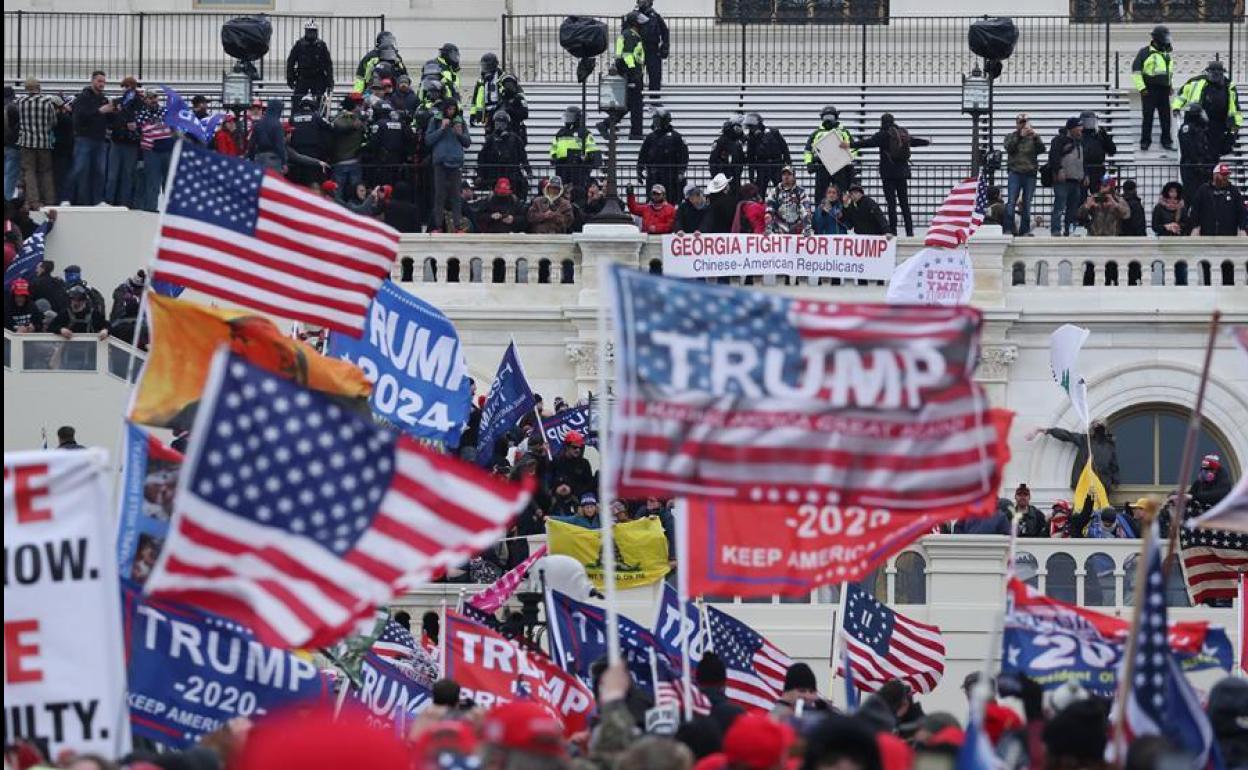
{"x": 166, "y": 47}
{"x": 861, "y": 50}
{"x": 1153, "y": 12}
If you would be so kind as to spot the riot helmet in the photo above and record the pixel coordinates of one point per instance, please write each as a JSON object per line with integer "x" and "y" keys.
{"x": 310, "y": 32}
{"x": 450, "y": 52}
{"x": 829, "y": 116}
{"x": 489, "y": 63}
{"x": 572, "y": 116}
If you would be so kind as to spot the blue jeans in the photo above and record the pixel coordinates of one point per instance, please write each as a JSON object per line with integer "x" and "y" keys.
{"x": 86, "y": 176}
{"x": 119, "y": 183}
{"x": 155, "y": 169}
{"x": 1025, "y": 183}
{"x": 347, "y": 176}
{"x": 12, "y": 171}
{"x": 1065, "y": 207}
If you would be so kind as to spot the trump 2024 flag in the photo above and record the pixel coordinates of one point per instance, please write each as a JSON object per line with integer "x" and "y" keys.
{"x": 296, "y": 518}
{"x": 734, "y": 394}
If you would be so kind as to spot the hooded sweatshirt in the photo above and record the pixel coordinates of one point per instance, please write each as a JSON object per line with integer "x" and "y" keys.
{"x": 269, "y": 136}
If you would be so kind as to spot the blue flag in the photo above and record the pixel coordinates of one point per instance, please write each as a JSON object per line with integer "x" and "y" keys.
{"x": 510, "y": 399}
{"x": 388, "y": 695}
{"x": 976, "y": 752}
{"x": 670, "y": 632}
{"x": 147, "y": 491}
{"x": 578, "y": 637}
{"x": 190, "y": 671}
{"x": 580, "y": 419}
{"x": 28, "y": 257}
{"x": 411, "y": 353}
{"x": 179, "y": 116}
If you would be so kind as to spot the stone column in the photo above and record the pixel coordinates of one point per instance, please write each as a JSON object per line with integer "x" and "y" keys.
{"x": 601, "y": 245}
{"x": 994, "y": 370}
{"x": 583, "y": 353}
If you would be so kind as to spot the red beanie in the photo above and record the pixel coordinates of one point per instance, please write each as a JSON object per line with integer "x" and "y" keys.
{"x": 316, "y": 741}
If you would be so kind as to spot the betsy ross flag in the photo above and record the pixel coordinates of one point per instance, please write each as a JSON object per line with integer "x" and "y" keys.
{"x": 1159, "y": 700}
{"x": 756, "y": 667}
{"x": 241, "y": 234}
{"x": 297, "y": 518}
{"x": 960, "y": 215}
{"x": 881, "y": 644}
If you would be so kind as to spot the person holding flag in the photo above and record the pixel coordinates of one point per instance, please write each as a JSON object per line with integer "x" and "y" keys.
{"x": 1104, "y": 456}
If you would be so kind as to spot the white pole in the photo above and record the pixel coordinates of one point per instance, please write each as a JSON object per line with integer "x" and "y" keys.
{"x": 606, "y": 475}
{"x": 1242, "y": 668}
{"x": 837, "y": 631}
{"x": 682, "y": 597}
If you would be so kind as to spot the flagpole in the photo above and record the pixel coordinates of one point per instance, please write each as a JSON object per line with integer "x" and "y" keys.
{"x": 682, "y": 599}
{"x": 654, "y": 676}
{"x": 541, "y": 431}
{"x": 837, "y": 628}
{"x": 1189, "y": 443}
{"x": 606, "y": 474}
{"x": 1241, "y": 670}
{"x": 1149, "y": 510}
{"x": 442, "y": 636}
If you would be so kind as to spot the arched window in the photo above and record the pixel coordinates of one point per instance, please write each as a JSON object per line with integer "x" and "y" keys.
{"x": 1180, "y": 273}
{"x": 567, "y": 272}
{"x": 1060, "y": 581}
{"x": 1042, "y": 273}
{"x": 1018, "y": 274}
{"x": 452, "y": 270}
{"x": 1228, "y": 273}
{"x": 1111, "y": 273}
{"x": 876, "y": 584}
{"x": 522, "y": 270}
{"x": 1150, "y": 438}
{"x": 543, "y": 271}
{"x": 474, "y": 270}
{"x": 498, "y": 270}
{"x": 1089, "y": 274}
{"x": 1098, "y": 581}
{"x": 1158, "y": 270}
{"x": 1027, "y": 568}
{"x": 656, "y": 267}
{"x": 407, "y": 269}
{"x": 1134, "y": 274}
{"x": 1176, "y": 587}
{"x": 1206, "y": 273}
{"x": 429, "y": 272}
{"x": 1064, "y": 273}
{"x": 910, "y": 586}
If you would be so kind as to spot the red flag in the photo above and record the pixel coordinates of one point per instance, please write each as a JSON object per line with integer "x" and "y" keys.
{"x": 492, "y": 669}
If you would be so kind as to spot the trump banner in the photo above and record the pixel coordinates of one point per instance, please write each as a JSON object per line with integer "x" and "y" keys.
{"x": 579, "y": 418}
{"x": 147, "y": 491}
{"x": 641, "y": 550}
{"x": 732, "y": 394}
{"x": 510, "y": 399}
{"x": 933, "y": 277}
{"x": 191, "y": 672}
{"x": 388, "y": 696}
{"x": 712, "y": 255}
{"x": 64, "y": 675}
{"x": 803, "y": 547}
{"x": 492, "y": 669}
{"x": 411, "y": 354}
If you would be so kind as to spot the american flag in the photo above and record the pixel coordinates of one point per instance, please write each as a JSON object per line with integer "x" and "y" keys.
{"x": 1159, "y": 699}
{"x": 493, "y": 596}
{"x": 736, "y": 394}
{"x": 237, "y": 233}
{"x": 397, "y": 645}
{"x": 881, "y": 644}
{"x": 297, "y": 518}
{"x": 756, "y": 667}
{"x": 960, "y": 215}
{"x": 1212, "y": 561}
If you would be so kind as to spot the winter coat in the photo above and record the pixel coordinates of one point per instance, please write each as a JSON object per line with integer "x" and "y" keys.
{"x": 1163, "y": 215}
{"x": 790, "y": 209}
{"x": 576, "y": 471}
{"x": 727, "y": 157}
{"x": 751, "y": 218}
{"x": 224, "y": 143}
{"x": 1031, "y": 522}
{"x": 890, "y": 167}
{"x": 865, "y": 217}
{"x": 309, "y": 65}
{"x": 723, "y": 209}
{"x": 1023, "y": 152}
{"x": 1097, "y": 146}
{"x": 446, "y": 145}
{"x": 1104, "y": 213}
{"x": 89, "y": 122}
{"x": 1218, "y": 210}
{"x": 1210, "y": 493}
{"x": 1104, "y": 455}
{"x": 690, "y": 219}
{"x": 503, "y": 205}
{"x": 828, "y": 221}
{"x": 1066, "y": 157}
{"x": 767, "y": 148}
{"x": 348, "y": 137}
{"x": 655, "y": 220}
{"x": 1136, "y": 224}
{"x": 90, "y": 321}
{"x": 269, "y": 135}
{"x": 550, "y": 218}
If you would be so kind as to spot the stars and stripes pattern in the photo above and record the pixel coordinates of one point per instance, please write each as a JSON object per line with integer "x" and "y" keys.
{"x": 755, "y": 666}
{"x": 29, "y": 256}
{"x": 881, "y": 644}
{"x": 395, "y": 641}
{"x": 297, "y": 518}
{"x": 1212, "y": 561}
{"x": 493, "y": 596}
{"x": 1159, "y": 700}
{"x": 245, "y": 236}
{"x": 684, "y": 428}
{"x": 960, "y": 215}
{"x": 397, "y": 645}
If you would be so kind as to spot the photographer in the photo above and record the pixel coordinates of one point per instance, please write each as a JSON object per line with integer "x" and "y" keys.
{"x": 1105, "y": 211}
{"x": 1022, "y": 148}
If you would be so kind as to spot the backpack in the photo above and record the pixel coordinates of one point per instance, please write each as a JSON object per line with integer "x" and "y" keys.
{"x": 899, "y": 144}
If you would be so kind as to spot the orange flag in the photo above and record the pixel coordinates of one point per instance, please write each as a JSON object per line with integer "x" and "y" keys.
{"x": 186, "y": 334}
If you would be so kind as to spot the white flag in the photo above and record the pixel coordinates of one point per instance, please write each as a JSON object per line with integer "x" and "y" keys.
{"x": 1064, "y": 347}
{"x": 933, "y": 276}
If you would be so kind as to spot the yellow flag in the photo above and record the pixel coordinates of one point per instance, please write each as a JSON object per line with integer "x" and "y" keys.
{"x": 640, "y": 550}
{"x": 184, "y": 337}
{"x": 1090, "y": 484}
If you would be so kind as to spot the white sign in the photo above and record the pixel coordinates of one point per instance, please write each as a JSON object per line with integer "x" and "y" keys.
{"x": 831, "y": 154}
{"x": 64, "y": 681}
{"x": 866, "y": 257}
{"x": 1064, "y": 347}
{"x": 933, "y": 276}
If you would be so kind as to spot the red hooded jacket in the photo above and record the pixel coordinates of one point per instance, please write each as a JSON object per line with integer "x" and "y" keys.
{"x": 655, "y": 220}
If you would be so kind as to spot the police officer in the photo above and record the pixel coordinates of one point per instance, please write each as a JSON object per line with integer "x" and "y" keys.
{"x": 766, "y": 152}
{"x": 512, "y": 101}
{"x": 1218, "y": 96}
{"x": 1195, "y": 155}
{"x": 664, "y": 156}
{"x": 503, "y": 155}
{"x": 630, "y": 63}
{"x": 829, "y": 123}
{"x": 574, "y": 152}
{"x": 727, "y": 152}
{"x": 1152, "y": 75}
{"x": 382, "y": 62}
{"x": 657, "y": 41}
{"x": 309, "y": 135}
{"x": 389, "y": 140}
{"x": 445, "y": 66}
{"x": 309, "y": 69}
{"x": 485, "y": 95}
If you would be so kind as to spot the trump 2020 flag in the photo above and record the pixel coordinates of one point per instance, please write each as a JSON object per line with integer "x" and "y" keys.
{"x": 29, "y": 257}
{"x": 1064, "y": 347}
{"x": 179, "y": 116}
{"x": 933, "y": 277}
{"x": 238, "y": 233}
{"x": 510, "y": 399}
{"x": 297, "y": 518}
{"x": 733, "y": 394}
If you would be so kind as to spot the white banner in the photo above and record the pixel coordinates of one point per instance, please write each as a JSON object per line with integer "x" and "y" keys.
{"x": 866, "y": 257}
{"x": 933, "y": 276}
{"x": 1064, "y": 347}
{"x": 64, "y": 681}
